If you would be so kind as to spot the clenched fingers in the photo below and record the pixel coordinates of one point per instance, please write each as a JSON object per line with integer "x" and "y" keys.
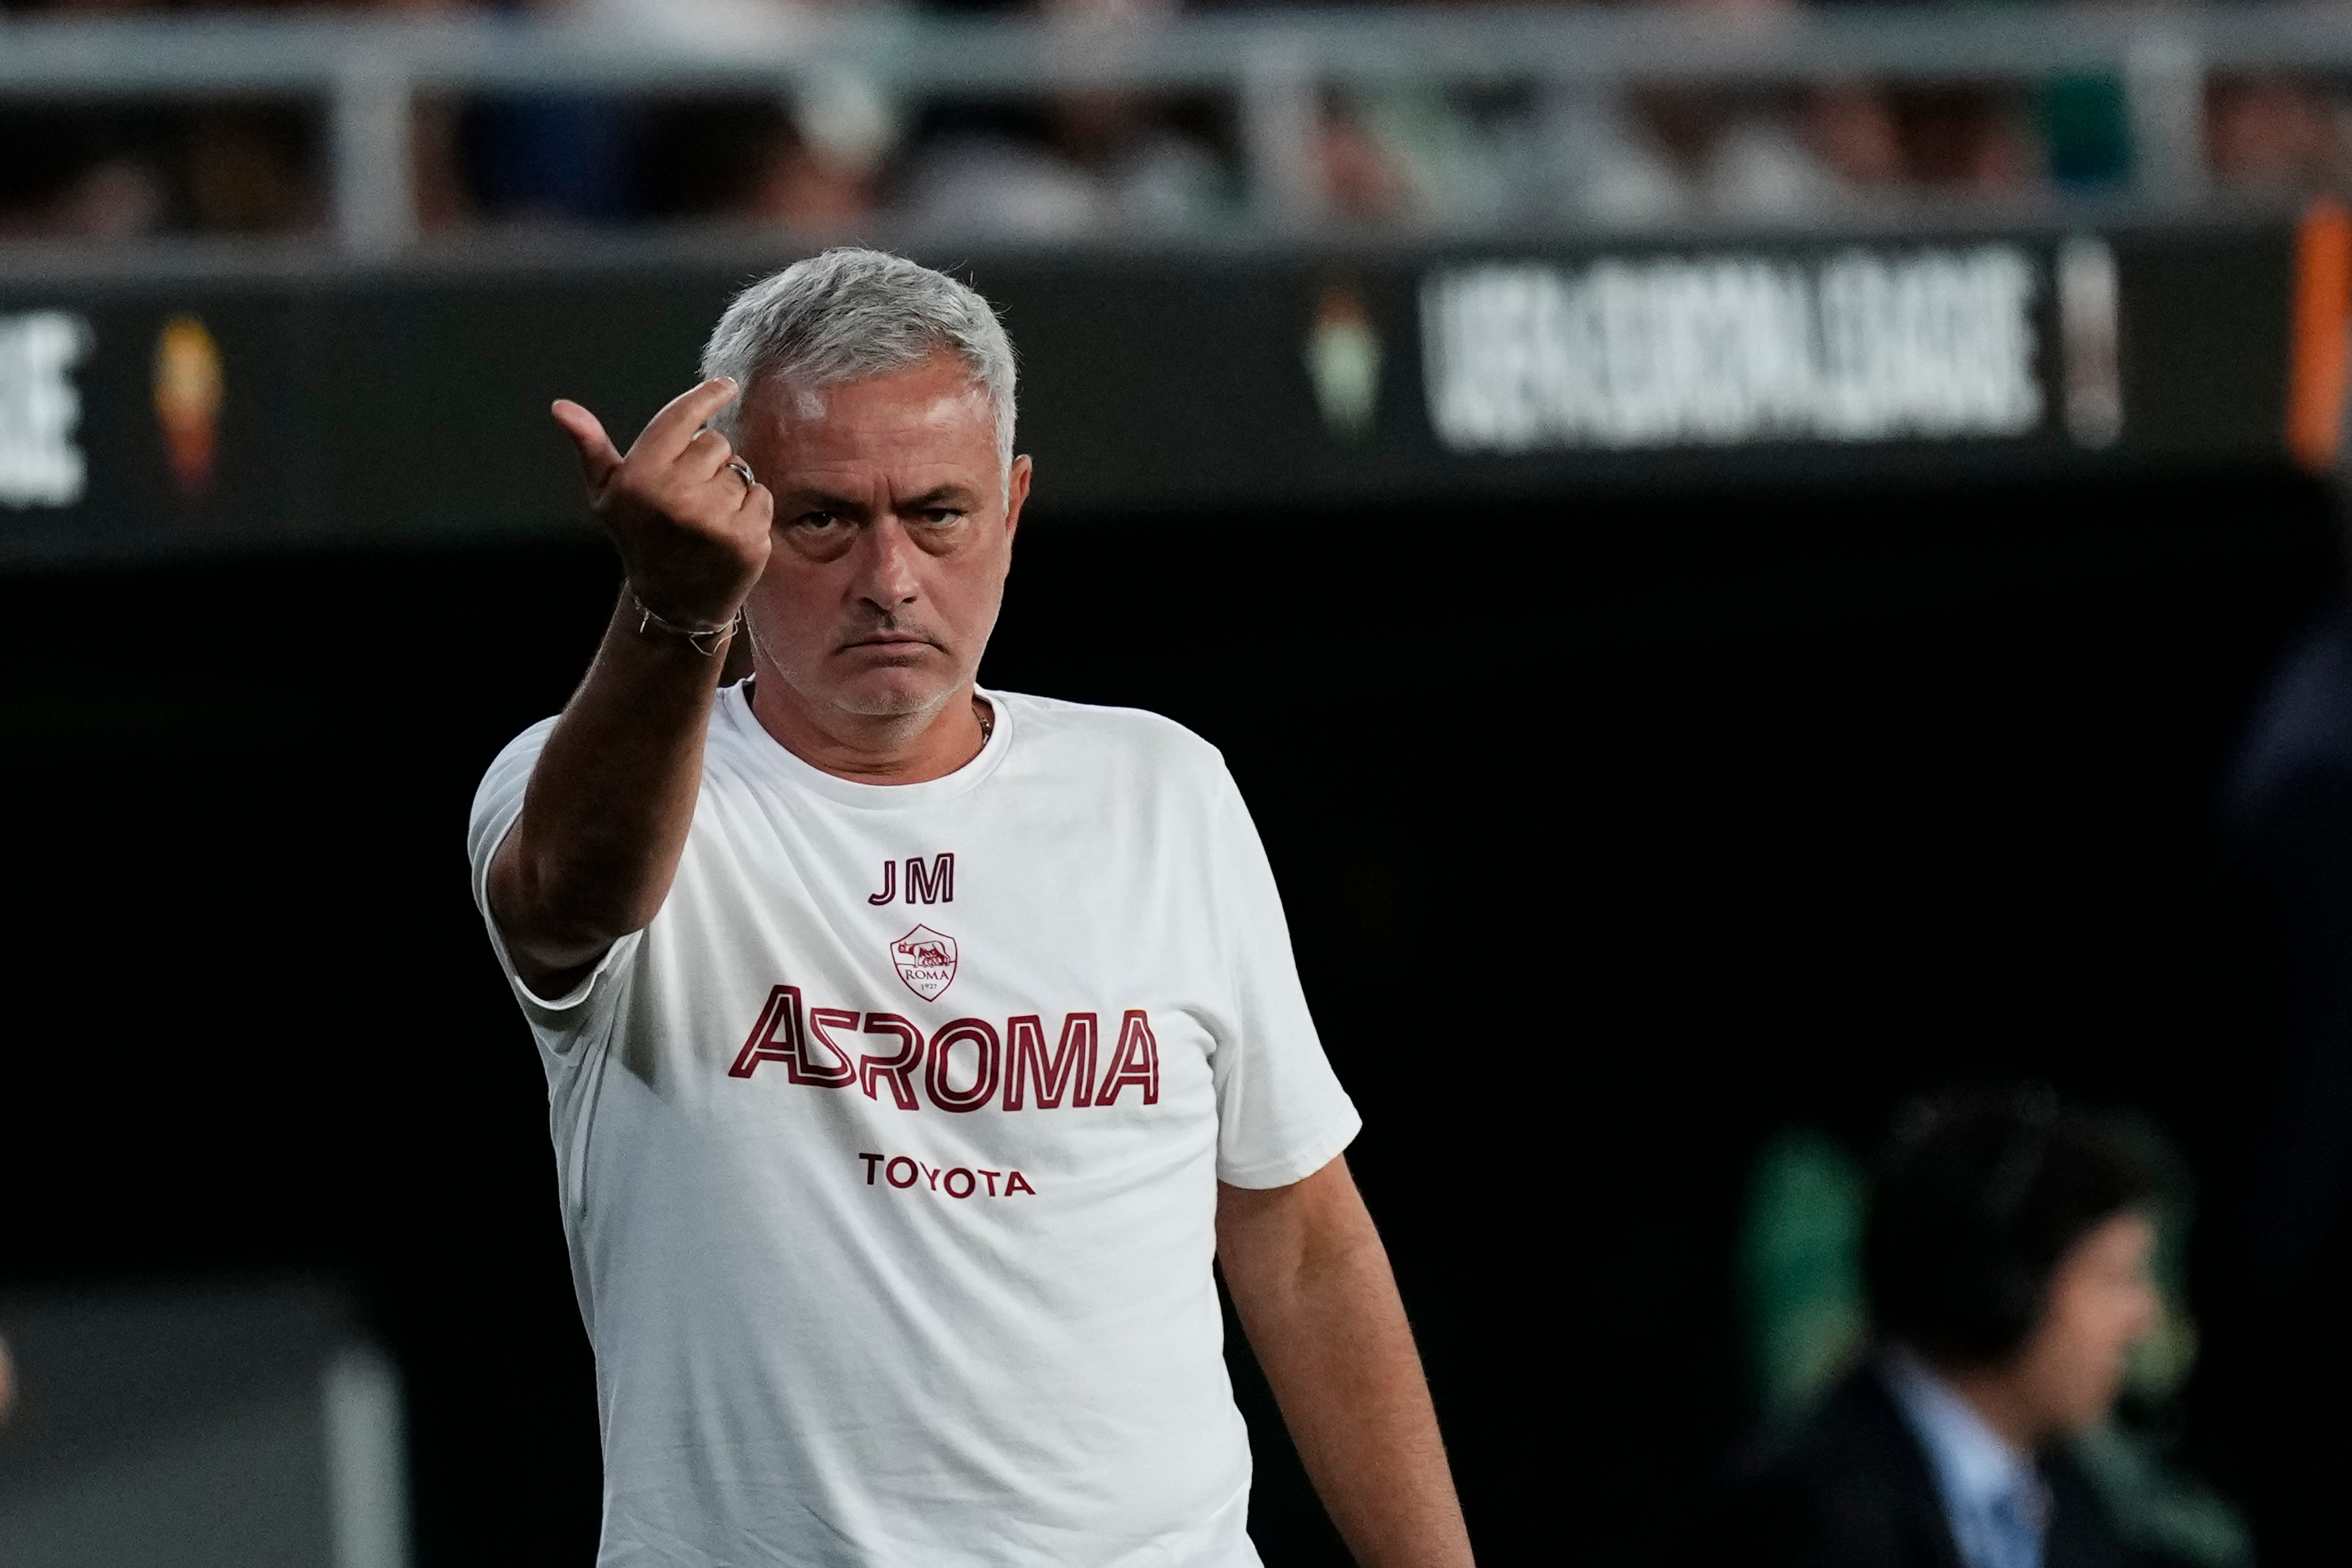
{"x": 759, "y": 506}
{"x": 706, "y": 454}
{"x": 680, "y": 423}
{"x": 693, "y": 535}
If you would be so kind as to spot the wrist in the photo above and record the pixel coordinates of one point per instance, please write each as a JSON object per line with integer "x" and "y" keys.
{"x": 701, "y": 636}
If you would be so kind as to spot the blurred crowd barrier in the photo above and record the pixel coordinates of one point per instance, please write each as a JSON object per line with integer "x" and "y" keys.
{"x": 1060, "y": 120}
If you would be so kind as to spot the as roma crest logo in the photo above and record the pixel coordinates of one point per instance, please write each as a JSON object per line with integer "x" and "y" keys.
{"x": 926, "y": 962}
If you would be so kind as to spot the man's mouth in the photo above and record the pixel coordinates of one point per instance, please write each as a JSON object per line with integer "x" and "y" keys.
{"x": 889, "y": 640}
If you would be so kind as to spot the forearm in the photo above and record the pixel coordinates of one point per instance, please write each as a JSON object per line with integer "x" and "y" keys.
{"x": 1320, "y": 1306}
{"x": 605, "y": 816}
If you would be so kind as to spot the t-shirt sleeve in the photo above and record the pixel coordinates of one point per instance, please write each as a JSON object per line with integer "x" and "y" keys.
{"x": 558, "y": 1021}
{"x": 1281, "y": 1113}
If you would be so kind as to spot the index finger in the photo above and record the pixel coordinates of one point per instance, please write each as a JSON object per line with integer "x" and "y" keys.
{"x": 667, "y": 432}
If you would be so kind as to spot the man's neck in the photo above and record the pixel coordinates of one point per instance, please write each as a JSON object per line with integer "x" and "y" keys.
{"x": 883, "y": 749}
{"x": 2000, "y": 1404}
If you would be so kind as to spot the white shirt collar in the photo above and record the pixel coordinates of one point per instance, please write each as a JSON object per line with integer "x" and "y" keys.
{"x": 1975, "y": 1467}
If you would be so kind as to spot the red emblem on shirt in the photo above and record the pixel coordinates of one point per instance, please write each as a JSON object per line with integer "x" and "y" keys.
{"x": 926, "y": 962}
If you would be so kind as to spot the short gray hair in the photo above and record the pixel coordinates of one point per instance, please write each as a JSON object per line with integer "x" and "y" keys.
{"x": 851, "y": 313}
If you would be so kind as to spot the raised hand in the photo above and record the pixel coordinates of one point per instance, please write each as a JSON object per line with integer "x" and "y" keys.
{"x": 692, "y": 530}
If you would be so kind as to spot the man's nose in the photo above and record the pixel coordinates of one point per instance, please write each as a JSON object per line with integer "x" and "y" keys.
{"x": 886, "y": 566}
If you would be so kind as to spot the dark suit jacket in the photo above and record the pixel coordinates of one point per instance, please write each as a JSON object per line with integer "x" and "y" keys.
{"x": 1851, "y": 1487}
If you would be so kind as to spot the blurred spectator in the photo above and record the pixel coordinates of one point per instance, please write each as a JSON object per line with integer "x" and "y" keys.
{"x": 819, "y": 161}
{"x": 997, "y": 172}
{"x": 444, "y": 200}
{"x": 2007, "y": 1257}
{"x": 109, "y": 176}
{"x": 551, "y": 157}
{"x": 255, "y": 171}
{"x": 2271, "y": 133}
{"x": 586, "y": 158}
{"x": 546, "y": 157}
{"x": 1431, "y": 158}
{"x": 810, "y": 165}
{"x": 1852, "y": 128}
{"x": 1090, "y": 164}
{"x": 1810, "y": 1325}
{"x": 1413, "y": 156}
{"x": 831, "y": 157}
{"x": 1967, "y": 141}
{"x": 1646, "y": 154}
{"x": 823, "y": 173}
{"x": 80, "y": 176}
{"x": 1094, "y": 166}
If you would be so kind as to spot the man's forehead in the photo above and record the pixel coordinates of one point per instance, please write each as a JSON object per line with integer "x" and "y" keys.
{"x": 857, "y": 457}
{"x": 929, "y": 431}
{"x": 939, "y": 394}
{"x": 898, "y": 477}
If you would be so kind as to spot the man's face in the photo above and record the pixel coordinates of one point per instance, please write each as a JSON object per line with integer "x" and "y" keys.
{"x": 893, "y": 534}
{"x": 2102, "y": 1299}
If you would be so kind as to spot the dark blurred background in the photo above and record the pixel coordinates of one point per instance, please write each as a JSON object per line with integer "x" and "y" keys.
{"x": 1612, "y": 841}
{"x": 1633, "y": 807}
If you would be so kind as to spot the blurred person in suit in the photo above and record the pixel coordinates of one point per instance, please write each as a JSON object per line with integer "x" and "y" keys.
{"x": 2008, "y": 1258}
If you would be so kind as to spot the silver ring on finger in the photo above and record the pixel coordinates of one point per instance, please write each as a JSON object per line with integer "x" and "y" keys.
{"x": 743, "y": 471}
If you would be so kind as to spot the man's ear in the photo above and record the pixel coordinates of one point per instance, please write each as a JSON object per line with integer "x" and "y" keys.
{"x": 1016, "y": 491}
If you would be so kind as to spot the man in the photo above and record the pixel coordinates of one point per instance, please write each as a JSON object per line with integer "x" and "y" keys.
{"x": 913, "y": 1048}
{"x": 2007, "y": 1259}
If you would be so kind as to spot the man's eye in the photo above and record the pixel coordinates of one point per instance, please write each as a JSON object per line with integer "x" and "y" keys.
{"x": 815, "y": 521}
{"x": 940, "y": 516}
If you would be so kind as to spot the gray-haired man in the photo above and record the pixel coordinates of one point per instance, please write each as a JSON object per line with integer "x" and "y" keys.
{"x": 912, "y": 1048}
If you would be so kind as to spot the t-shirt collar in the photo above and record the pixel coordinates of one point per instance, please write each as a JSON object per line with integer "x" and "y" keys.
{"x": 735, "y": 712}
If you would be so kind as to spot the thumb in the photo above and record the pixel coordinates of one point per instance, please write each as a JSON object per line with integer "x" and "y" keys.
{"x": 598, "y": 457}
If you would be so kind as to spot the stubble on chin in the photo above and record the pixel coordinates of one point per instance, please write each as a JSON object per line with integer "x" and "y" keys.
{"x": 903, "y": 695}
{"x": 909, "y": 696}
{"x": 893, "y": 702}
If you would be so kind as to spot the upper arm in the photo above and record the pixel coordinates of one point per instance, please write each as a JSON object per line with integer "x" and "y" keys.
{"x": 505, "y": 895}
{"x": 546, "y": 990}
{"x": 1274, "y": 1239}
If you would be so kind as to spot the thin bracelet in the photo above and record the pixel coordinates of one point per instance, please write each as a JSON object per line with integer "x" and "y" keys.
{"x": 704, "y": 640}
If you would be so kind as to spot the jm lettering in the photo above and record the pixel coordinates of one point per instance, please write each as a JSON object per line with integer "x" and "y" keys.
{"x": 926, "y": 882}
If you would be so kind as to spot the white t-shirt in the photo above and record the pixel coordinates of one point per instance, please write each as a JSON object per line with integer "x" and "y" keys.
{"x": 888, "y": 1151}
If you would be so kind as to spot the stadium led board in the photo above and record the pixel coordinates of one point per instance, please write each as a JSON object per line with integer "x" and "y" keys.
{"x": 180, "y": 410}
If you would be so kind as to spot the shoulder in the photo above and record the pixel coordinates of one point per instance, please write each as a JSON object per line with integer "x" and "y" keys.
{"x": 525, "y": 746}
{"x": 1856, "y": 1422}
{"x": 510, "y": 769}
{"x": 1087, "y": 723}
{"x": 1848, "y": 1484}
{"x": 498, "y": 799}
{"x": 1117, "y": 738}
